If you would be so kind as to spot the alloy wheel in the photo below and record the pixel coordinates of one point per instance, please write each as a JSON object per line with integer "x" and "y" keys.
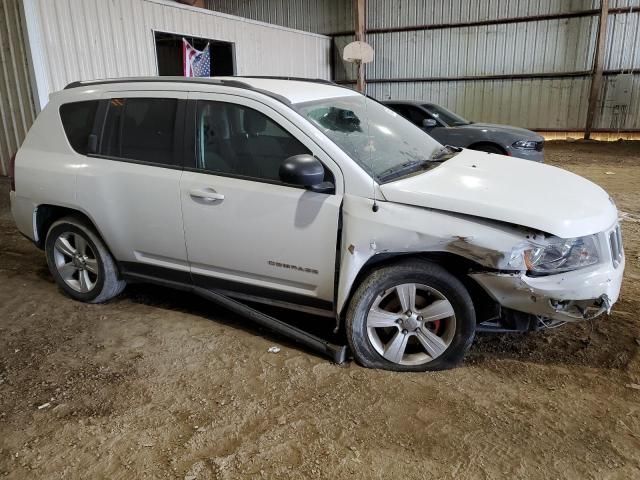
{"x": 76, "y": 262}
{"x": 411, "y": 324}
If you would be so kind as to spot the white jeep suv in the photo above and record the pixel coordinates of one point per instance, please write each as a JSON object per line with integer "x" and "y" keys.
{"x": 310, "y": 196}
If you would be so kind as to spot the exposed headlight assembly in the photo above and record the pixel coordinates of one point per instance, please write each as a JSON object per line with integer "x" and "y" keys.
{"x": 557, "y": 255}
{"x": 525, "y": 144}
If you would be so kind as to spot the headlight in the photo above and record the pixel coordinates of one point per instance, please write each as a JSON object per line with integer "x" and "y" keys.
{"x": 557, "y": 255}
{"x": 525, "y": 144}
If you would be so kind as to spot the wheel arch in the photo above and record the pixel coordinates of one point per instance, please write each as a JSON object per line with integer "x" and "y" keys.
{"x": 46, "y": 214}
{"x": 486, "y": 307}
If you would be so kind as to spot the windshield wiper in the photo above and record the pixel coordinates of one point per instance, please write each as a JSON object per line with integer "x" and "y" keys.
{"x": 445, "y": 153}
{"x": 402, "y": 169}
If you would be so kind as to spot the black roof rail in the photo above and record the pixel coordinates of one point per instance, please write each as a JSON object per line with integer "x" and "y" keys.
{"x": 200, "y": 80}
{"x": 225, "y": 82}
{"x": 222, "y": 81}
{"x": 297, "y": 79}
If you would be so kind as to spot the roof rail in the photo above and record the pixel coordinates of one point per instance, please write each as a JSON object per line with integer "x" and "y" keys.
{"x": 200, "y": 80}
{"x": 297, "y": 79}
{"x": 225, "y": 82}
{"x": 231, "y": 81}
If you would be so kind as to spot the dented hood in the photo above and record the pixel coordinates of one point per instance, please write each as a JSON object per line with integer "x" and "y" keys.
{"x": 510, "y": 190}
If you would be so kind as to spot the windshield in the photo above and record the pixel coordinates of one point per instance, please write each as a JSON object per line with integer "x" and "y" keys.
{"x": 446, "y": 116}
{"x": 375, "y": 137}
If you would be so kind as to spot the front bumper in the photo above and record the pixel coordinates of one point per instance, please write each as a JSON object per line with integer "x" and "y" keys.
{"x": 570, "y": 296}
{"x": 534, "y": 155}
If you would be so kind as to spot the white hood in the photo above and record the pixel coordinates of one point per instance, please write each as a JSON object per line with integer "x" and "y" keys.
{"x": 510, "y": 190}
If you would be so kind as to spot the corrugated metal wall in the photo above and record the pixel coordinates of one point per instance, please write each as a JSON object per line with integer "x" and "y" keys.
{"x": 320, "y": 16}
{"x": 16, "y": 103}
{"x": 400, "y": 13}
{"x": 552, "y": 47}
{"x": 622, "y": 53}
{"x": 114, "y": 38}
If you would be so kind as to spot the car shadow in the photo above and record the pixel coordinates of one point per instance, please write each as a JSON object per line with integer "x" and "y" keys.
{"x": 596, "y": 344}
{"x": 193, "y": 304}
{"x": 609, "y": 342}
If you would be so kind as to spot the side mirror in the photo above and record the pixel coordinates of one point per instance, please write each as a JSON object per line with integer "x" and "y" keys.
{"x": 429, "y": 123}
{"x": 306, "y": 171}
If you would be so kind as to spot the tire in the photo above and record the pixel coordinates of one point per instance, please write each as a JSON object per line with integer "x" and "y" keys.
{"x": 377, "y": 336}
{"x": 80, "y": 262}
{"x": 489, "y": 148}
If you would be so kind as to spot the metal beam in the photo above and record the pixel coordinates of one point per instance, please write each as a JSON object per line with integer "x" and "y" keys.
{"x": 596, "y": 79}
{"x": 359, "y": 16}
{"x": 496, "y": 21}
{"x": 505, "y": 76}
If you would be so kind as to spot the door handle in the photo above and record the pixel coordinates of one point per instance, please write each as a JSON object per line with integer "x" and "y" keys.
{"x": 207, "y": 195}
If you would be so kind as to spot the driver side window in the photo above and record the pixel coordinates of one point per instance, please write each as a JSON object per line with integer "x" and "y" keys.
{"x": 240, "y": 141}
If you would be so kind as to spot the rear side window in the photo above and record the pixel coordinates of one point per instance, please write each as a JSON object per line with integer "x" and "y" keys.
{"x": 77, "y": 121}
{"x": 140, "y": 129}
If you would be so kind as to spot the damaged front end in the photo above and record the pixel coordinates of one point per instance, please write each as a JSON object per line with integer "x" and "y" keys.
{"x": 582, "y": 309}
{"x": 561, "y": 279}
{"x": 570, "y": 296}
{"x": 533, "y": 279}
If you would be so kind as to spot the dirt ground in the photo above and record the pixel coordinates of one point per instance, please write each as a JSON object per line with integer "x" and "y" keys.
{"x": 160, "y": 384}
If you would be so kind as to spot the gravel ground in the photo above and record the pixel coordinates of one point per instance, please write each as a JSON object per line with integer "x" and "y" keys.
{"x": 158, "y": 384}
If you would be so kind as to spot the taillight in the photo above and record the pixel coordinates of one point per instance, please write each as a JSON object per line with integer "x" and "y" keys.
{"x": 12, "y": 172}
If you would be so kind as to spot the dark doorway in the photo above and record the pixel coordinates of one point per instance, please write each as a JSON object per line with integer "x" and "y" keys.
{"x": 169, "y": 54}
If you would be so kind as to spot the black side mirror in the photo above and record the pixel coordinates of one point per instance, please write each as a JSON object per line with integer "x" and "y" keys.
{"x": 306, "y": 171}
{"x": 429, "y": 123}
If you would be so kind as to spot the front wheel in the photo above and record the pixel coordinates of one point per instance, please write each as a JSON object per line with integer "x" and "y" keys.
{"x": 413, "y": 316}
{"x": 80, "y": 262}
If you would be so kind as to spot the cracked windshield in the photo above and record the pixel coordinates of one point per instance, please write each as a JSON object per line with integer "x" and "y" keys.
{"x": 386, "y": 145}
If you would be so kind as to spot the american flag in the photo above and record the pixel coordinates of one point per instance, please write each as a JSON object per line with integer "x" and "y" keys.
{"x": 195, "y": 63}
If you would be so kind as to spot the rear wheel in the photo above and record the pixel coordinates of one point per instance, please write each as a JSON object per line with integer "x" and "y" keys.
{"x": 80, "y": 262}
{"x": 410, "y": 317}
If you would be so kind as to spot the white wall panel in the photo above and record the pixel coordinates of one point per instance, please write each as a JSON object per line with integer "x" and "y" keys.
{"x": 90, "y": 39}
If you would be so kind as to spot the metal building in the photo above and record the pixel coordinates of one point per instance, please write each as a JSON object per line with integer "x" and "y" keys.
{"x": 521, "y": 62}
{"x": 66, "y": 40}
{"x": 17, "y": 110}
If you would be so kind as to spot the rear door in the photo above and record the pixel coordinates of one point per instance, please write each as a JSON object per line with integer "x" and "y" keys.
{"x": 246, "y": 231}
{"x": 131, "y": 186}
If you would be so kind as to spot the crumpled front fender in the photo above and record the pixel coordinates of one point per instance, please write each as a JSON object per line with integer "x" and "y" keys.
{"x": 397, "y": 228}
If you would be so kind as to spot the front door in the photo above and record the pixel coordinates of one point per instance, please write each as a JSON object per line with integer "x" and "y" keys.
{"x": 246, "y": 231}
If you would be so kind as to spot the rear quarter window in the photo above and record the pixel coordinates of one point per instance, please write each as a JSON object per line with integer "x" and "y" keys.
{"x": 77, "y": 121}
{"x": 141, "y": 129}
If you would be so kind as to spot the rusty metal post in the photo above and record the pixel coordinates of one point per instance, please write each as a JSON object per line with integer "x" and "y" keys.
{"x": 596, "y": 78}
{"x": 359, "y": 15}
